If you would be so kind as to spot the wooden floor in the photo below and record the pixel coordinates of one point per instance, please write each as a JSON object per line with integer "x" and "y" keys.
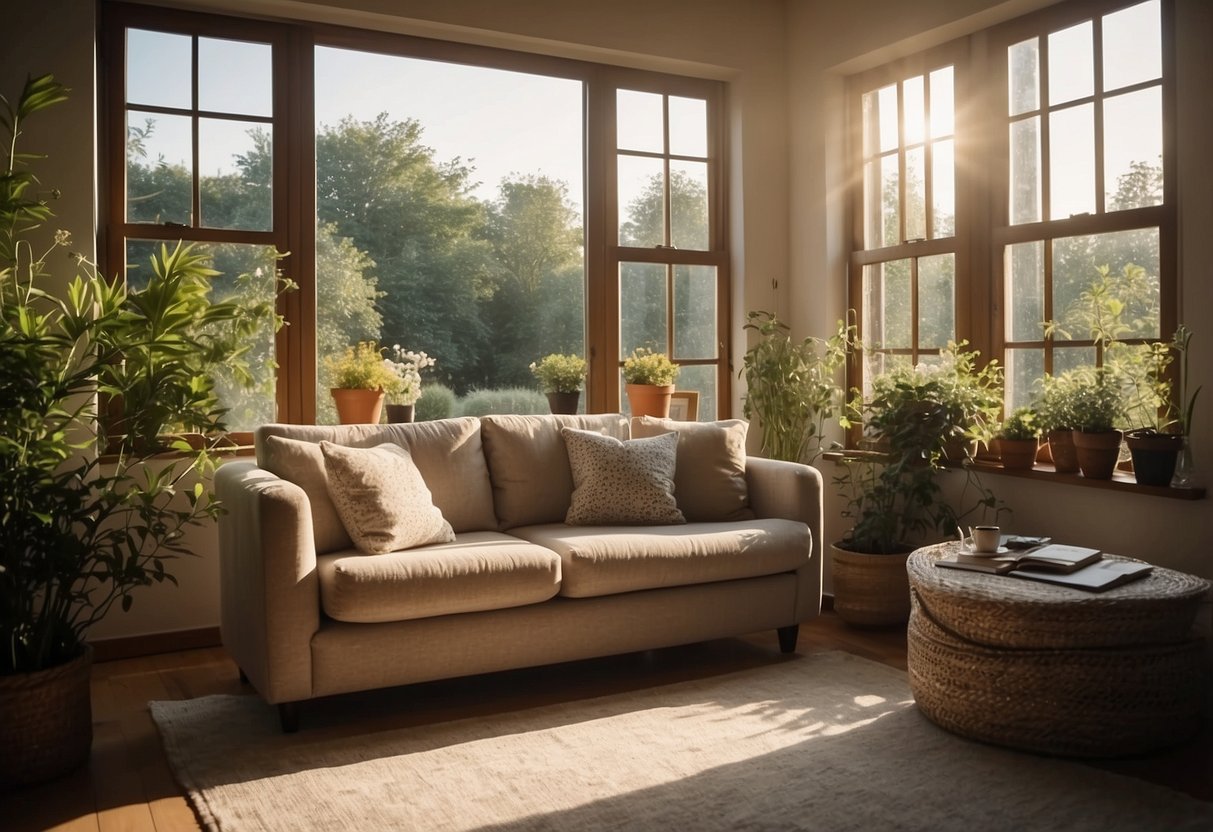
{"x": 127, "y": 784}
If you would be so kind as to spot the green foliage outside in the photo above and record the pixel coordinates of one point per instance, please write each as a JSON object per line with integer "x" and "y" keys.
{"x": 437, "y": 402}
{"x": 524, "y": 400}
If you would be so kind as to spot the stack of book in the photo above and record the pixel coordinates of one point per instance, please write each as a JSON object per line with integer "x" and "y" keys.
{"x": 1074, "y": 566}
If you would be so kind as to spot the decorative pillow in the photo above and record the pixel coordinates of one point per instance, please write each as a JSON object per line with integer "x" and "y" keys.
{"x": 709, "y": 480}
{"x": 621, "y": 483}
{"x": 303, "y": 464}
{"x": 382, "y": 499}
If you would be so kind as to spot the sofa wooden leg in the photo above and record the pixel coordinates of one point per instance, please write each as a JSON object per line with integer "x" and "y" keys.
{"x": 288, "y": 716}
{"x": 787, "y": 638}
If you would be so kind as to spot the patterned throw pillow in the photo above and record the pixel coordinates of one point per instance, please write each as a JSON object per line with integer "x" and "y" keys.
{"x": 382, "y": 499}
{"x": 621, "y": 483}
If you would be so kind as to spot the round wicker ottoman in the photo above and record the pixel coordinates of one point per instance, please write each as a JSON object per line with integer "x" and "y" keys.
{"x": 1056, "y": 670}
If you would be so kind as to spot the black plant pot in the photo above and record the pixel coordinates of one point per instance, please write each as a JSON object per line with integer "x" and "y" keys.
{"x": 1154, "y": 457}
{"x": 565, "y": 403}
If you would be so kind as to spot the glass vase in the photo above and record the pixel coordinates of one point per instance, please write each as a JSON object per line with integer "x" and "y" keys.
{"x": 1185, "y": 467}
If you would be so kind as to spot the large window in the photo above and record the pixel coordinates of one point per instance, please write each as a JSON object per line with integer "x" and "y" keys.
{"x": 1054, "y": 153}
{"x": 482, "y": 206}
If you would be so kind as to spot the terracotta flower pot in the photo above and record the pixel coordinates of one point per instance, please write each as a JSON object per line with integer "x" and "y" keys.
{"x": 650, "y": 399}
{"x": 46, "y": 722}
{"x": 1097, "y": 453}
{"x": 358, "y": 407}
{"x": 871, "y": 590}
{"x": 564, "y": 402}
{"x": 399, "y": 413}
{"x": 1018, "y": 454}
{"x": 1061, "y": 448}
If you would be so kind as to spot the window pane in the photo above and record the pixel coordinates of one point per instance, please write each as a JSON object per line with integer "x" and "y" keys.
{"x": 235, "y": 77}
{"x": 915, "y": 114}
{"x": 694, "y": 313}
{"x": 158, "y": 69}
{"x": 871, "y": 124}
{"x": 943, "y": 188}
{"x": 936, "y": 301}
{"x": 887, "y": 117}
{"x": 247, "y": 276}
{"x": 1071, "y": 162}
{"x": 641, "y": 201}
{"x": 689, "y": 205}
{"x": 1071, "y": 358}
{"x": 1132, "y": 46}
{"x": 1071, "y": 64}
{"x": 1133, "y": 150}
{"x": 1131, "y": 258}
{"x": 639, "y": 121}
{"x": 642, "y": 307}
{"x": 235, "y": 162}
{"x": 875, "y": 363}
{"x": 886, "y": 305}
{"x": 701, "y": 378}
{"x": 159, "y": 168}
{"x": 1023, "y": 76}
{"x": 1024, "y": 367}
{"x": 1024, "y": 290}
{"x": 916, "y": 194}
{"x": 1025, "y": 171}
{"x": 890, "y": 200}
{"x": 943, "y": 121}
{"x": 688, "y": 126}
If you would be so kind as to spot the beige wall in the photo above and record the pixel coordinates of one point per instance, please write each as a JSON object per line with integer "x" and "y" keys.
{"x": 785, "y": 63}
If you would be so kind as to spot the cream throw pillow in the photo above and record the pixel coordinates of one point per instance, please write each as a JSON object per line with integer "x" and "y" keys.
{"x": 621, "y": 483}
{"x": 382, "y": 499}
{"x": 709, "y": 480}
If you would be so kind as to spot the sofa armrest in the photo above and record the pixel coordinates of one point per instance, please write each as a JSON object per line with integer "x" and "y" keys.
{"x": 792, "y": 491}
{"x": 269, "y": 590}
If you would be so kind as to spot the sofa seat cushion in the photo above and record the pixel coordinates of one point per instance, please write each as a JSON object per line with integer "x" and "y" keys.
{"x": 604, "y": 560}
{"x": 478, "y": 571}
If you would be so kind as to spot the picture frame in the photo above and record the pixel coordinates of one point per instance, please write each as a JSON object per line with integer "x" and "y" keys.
{"x": 684, "y": 405}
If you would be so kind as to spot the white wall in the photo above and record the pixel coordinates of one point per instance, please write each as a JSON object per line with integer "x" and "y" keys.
{"x": 827, "y": 41}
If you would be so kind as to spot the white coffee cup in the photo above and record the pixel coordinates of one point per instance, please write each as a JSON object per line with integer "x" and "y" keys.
{"x": 985, "y": 538}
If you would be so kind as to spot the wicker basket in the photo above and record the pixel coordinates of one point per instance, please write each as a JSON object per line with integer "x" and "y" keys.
{"x": 871, "y": 590}
{"x": 46, "y": 722}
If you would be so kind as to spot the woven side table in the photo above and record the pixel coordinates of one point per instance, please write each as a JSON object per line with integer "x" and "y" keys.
{"x": 1052, "y": 669}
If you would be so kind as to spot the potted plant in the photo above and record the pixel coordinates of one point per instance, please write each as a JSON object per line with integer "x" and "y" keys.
{"x": 649, "y": 377}
{"x": 1161, "y": 426}
{"x": 91, "y": 509}
{"x": 1018, "y": 439}
{"x": 361, "y": 381}
{"x": 792, "y": 387}
{"x": 1183, "y": 477}
{"x": 402, "y": 396}
{"x": 1097, "y": 410}
{"x": 1055, "y": 420}
{"x": 561, "y": 378}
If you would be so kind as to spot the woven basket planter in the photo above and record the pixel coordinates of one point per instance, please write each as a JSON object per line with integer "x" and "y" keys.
{"x": 870, "y": 590}
{"x": 46, "y": 722}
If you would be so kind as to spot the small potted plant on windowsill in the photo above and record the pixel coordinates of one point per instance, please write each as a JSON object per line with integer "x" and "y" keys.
{"x": 561, "y": 378}
{"x": 1055, "y": 421}
{"x": 650, "y": 378}
{"x": 406, "y": 365}
{"x": 1018, "y": 439}
{"x": 1097, "y": 411}
{"x": 361, "y": 381}
{"x": 1156, "y": 443}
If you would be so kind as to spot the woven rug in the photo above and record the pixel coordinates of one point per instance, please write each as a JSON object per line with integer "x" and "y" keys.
{"x": 825, "y": 741}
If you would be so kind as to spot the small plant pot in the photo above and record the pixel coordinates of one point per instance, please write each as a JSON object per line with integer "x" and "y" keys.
{"x": 1154, "y": 456}
{"x": 959, "y": 449}
{"x": 1097, "y": 453}
{"x": 358, "y": 407}
{"x": 564, "y": 403}
{"x": 1061, "y": 448}
{"x": 650, "y": 399}
{"x": 1018, "y": 454}
{"x": 46, "y": 722}
{"x": 398, "y": 414}
{"x": 871, "y": 591}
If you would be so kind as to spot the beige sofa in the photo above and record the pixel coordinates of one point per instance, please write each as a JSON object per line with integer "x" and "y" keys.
{"x": 306, "y": 615}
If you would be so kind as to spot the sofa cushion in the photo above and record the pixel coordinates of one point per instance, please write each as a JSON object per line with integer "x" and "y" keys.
{"x": 604, "y": 560}
{"x": 619, "y": 482}
{"x": 529, "y": 466}
{"x": 381, "y": 498}
{"x": 709, "y": 480}
{"x": 303, "y": 464}
{"x": 477, "y": 571}
{"x": 447, "y": 452}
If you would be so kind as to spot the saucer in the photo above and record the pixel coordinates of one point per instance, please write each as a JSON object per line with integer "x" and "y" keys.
{"x": 970, "y": 551}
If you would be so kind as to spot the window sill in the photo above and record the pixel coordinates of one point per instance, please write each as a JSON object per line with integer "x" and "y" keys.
{"x": 1121, "y": 481}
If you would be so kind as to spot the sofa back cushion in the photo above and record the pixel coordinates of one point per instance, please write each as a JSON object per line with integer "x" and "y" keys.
{"x": 709, "y": 478}
{"x": 447, "y": 452}
{"x": 529, "y": 466}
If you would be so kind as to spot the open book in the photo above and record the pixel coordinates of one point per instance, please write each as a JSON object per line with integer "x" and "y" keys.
{"x": 1055, "y": 558}
{"x": 1101, "y": 575}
